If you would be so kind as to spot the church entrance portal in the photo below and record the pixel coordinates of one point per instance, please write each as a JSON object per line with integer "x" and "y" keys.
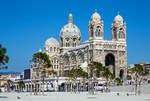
{"x": 110, "y": 62}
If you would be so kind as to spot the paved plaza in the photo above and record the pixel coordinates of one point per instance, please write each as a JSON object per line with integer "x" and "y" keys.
{"x": 83, "y": 96}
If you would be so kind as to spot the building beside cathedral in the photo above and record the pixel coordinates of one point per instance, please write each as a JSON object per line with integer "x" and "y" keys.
{"x": 69, "y": 52}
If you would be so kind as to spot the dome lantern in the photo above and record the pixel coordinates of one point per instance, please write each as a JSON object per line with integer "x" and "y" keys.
{"x": 95, "y": 16}
{"x": 70, "y": 29}
{"x": 118, "y": 18}
{"x": 70, "y": 18}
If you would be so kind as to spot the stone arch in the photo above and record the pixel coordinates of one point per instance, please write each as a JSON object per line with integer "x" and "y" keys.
{"x": 110, "y": 62}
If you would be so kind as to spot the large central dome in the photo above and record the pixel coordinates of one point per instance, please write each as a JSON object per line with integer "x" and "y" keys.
{"x": 70, "y": 30}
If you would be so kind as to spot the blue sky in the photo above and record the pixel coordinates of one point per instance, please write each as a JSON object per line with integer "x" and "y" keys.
{"x": 25, "y": 25}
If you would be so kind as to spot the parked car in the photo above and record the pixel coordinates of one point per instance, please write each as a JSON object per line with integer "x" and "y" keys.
{"x": 49, "y": 87}
{"x": 99, "y": 87}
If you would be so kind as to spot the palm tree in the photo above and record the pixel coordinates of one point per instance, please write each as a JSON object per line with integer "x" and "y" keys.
{"x": 118, "y": 81}
{"x": 72, "y": 76}
{"x": 139, "y": 72}
{"x": 85, "y": 77}
{"x": 129, "y": 77}
{"x": 96, "y": 69}
{"x": 3, "y": 58}
{"x": 75, "y": 73}
{"x": 44, "y": 64}
{"x": 21, "y": 85}
{"x": 108, "y": 76}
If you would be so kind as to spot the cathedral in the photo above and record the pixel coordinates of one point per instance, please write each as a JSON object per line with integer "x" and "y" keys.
{"x": 69, "y": 52}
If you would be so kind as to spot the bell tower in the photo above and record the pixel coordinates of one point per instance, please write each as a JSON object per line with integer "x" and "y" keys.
{"x": 118, "y": 29}
{"x": 95, "y": 27}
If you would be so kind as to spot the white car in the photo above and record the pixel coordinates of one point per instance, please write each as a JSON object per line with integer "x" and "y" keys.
{"x": 99, "y": 87}
{"x": 48, "y": 87}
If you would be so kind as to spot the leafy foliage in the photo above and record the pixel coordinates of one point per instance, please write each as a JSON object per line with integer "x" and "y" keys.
{"x": 78, "y": 72}
{"x": 43, "y": 60}
{"x": 129, "y": 77}
{"x": 139, "y": 73}
{"x": 3, "y": 58}
{"x": 119, "y": 81}
{"x": 21, "y": 85}
{"x": 96, "y": 68}
{"x": 99, "y": 70}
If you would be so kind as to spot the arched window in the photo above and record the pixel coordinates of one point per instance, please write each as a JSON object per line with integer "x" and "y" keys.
{"x": 54, "y": 49}
{"x": 123, "y": 35}
{"x": 54, "y": 60}
{"x": 67, "y": 44}
{"x": 115, "y": 35}
{"x": 50, "y": 48}
{"x": 99, "y": 33}
{"x": 61, "y": 41}
{"x": 91, "y": 31}
{"x": 74, "y": 44}
{"x": 96, "y": 33}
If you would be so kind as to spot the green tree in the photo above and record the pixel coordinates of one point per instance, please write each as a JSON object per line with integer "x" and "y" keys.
{"x": 3, "y": 58}
{"x": 44, "y": 64}
{"x": 96, "y": 69}
{"x": 21, "y": 85}
{"x": 107, "y": 75}
{"x": 129, "y": 77}
{"x": 118, "y": 80}
{"x": 139, "y": 73}
{"x": 78, "y": 72}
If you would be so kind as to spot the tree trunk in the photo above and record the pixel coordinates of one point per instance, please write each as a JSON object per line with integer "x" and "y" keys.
{"x": 135, "y": 89}
{"x": 39, "y": 87}
{"x": 136, "y": 85}
{"x": 43, "y": 87}
{"x": 139, "y": 92}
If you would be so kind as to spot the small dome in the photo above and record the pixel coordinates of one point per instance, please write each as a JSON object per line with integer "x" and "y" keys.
{"x": 118, "y": 18}
{"x": 52, "y": 42}
{"x": 70, "y": 29}
{"x": 96, "y": 16}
